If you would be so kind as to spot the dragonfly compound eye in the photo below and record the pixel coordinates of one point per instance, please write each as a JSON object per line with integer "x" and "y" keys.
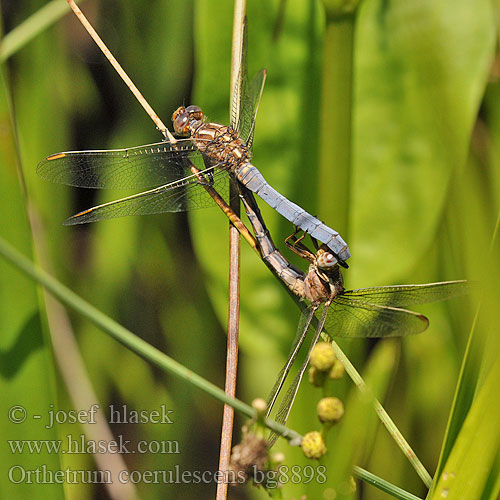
{"x": 195, "y": 113}
{"x": 180, "y": 119}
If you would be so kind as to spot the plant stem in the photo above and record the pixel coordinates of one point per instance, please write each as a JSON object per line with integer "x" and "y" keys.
{"x": 382, "y": 484}
{"x": 384, "y": 417}
{"x": 234, "y": 272}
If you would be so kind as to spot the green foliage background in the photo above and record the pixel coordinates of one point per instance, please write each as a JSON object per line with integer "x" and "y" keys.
{"x": 418, "y": 203}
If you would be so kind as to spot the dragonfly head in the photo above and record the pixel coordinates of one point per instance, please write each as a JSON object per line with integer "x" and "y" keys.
{"x": 182, "y": 117}
{"x": 325, "y": 259}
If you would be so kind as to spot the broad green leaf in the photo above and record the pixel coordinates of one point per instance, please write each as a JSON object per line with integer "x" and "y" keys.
{"x": 421, "y": 70}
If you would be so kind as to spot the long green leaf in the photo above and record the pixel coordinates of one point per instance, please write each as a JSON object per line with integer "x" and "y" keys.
{"x": 26, "y": 368}
{"x": 421, "y": 72}
{"x": 467, "y": 470}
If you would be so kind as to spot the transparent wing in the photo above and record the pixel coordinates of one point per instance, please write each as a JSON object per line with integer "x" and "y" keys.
{"x": 251, "y": 95}
{"x": 287, "y": 402}
{"x": 407, "y": 295}
{"x": 350, "y": 317}
{"x": 302, "y": 328}
{"x": 246, "y": 96}
{"x": 188, "y": 193}
{"x": 139, "y": 167}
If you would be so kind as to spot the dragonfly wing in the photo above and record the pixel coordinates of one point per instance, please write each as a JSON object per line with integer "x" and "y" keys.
{"x": 291, "y": 393}
{"x": 139, "y": 167}
{"x": 302, "y": 328}
{"x": 250, "y": 105}
{"x": 407, "y": 295}
{"x": 174, "y": 197}
{"x": 246, "y": 96}
{"x": 354, "y": 318}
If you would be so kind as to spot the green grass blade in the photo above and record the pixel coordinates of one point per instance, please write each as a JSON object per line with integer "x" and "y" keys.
{"x": 21, "y": 35}
{"x": 476, "y": 448}
{"x": 384, "y": 417}
{"x": 382, "y": 484}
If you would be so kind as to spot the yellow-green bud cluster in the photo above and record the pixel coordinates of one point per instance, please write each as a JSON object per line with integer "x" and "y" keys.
{"x": 324, "y": 366}
{"x": 313, "y": 445}
{"x": 330, "y": 410}
{"x": 323, "y": 356}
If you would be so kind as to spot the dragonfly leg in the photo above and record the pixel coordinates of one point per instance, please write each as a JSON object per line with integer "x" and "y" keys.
{"x": 315, "y": 243}
{"x": 297, "y": 247}
{"x": 210, "y": 176}
{"x": 207, "y": 179}
{"x": 294, "y": 238}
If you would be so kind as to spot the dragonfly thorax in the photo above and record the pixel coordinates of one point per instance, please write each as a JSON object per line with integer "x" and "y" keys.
{"x": 321, "y": 285}
{"x": 221, "y": 144}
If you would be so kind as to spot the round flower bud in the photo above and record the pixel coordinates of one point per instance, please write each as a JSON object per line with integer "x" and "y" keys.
{"x": 337, "y": 370}
{"x": 322, "y": 356}
{"x": 330, "y": 410}
{"x": 313, "y": 445}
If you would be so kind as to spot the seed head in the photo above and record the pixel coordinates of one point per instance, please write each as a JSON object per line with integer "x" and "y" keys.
{"x": 322, "y": 356}
{"x": 313, "y": 445}
{"x": 330, "y": 410}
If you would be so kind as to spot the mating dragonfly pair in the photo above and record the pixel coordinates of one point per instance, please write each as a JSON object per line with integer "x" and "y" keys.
{"x": 208, "y": 154}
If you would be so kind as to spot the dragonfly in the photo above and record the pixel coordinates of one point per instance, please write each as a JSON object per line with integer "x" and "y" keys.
{"x": 376, "y": 312}
{"x": 176, "y": 174}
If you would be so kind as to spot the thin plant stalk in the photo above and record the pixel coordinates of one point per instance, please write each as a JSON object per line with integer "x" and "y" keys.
{"x": 116, "y": 65}
{"x": 382, "y": 484}
{"x": 384, "y": 416}
{"x": 234, "y": 272}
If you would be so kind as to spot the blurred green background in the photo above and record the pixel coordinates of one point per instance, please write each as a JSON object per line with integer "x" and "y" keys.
{"x": 417, "y": 202}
